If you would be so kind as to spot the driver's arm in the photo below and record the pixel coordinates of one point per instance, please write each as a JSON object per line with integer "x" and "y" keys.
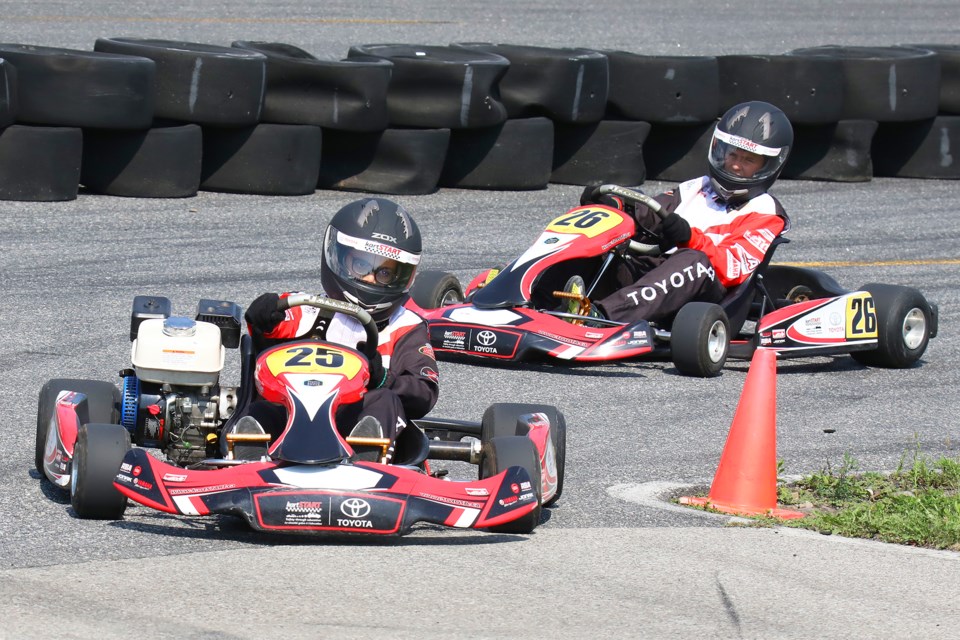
{"x": 413, "y": 373}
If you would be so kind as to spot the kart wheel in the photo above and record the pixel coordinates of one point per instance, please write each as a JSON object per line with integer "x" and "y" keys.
{"x": 904, "y": 324}
{"x": 503, "y": 419}
{"x": 700, "y": 339}
{"x": 513, "y": 451}
{"x": 99, "y": 450}
{"x": 102, "y": 401}
{"x": 435, "y": 289}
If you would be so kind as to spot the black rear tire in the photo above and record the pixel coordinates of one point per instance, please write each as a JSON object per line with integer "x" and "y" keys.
{"x": 499, "y": 455}
{"x": 904, "y": 320}
{"x": 436, "y": 289}
{"x": 700, "y": 339}
{"x": 102, "y": 402}
{"x": 96, "y": 460}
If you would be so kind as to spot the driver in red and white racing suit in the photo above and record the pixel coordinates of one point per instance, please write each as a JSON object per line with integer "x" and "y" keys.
{"x": 404, "y": 378}
{"x": 717, "y": 228}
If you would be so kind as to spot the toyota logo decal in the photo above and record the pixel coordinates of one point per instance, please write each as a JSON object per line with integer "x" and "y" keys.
{"x": 355, "y": 507}
{"x": 486, "y": 338}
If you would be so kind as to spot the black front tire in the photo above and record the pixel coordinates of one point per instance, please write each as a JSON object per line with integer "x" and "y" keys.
{"x": 436, "y": 289}
{"x": 504, "y": 452}
{"x": 102, "y": 401}
{"x": 904, "y": 322}
{"x": 700, "y": 339}
{"x": 99, "y": 450}
{"x": 503, "y": 419}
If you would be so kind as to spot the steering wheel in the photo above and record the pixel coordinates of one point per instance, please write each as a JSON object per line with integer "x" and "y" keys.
{"x": 637, "y": 197}
{"x": 331, "y": 306}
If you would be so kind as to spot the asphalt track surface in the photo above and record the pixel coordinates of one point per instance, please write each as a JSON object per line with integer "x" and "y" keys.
{"x": 614, "y": 559}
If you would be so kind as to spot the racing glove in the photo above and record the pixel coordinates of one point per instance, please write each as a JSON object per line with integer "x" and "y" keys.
{"x": 378, "y": 376}
{"x": 674, "y": 231}
{"x": 590, "y": 195}
{"x": 262, "y": 315}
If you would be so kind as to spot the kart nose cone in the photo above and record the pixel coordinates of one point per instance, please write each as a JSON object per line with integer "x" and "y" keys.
{"x": 179, "y": 326}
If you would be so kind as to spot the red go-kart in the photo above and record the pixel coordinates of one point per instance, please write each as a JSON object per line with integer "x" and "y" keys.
{"x": 520, "y": 312}
{"x": 309, "y": 480}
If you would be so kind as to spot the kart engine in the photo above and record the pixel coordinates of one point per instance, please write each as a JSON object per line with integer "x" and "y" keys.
{"x": 172, "y": 399}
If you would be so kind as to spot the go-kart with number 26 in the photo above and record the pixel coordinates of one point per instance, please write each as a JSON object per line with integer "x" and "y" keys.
{"x": 310, "y": 480}
{"x": 522, "y": 311}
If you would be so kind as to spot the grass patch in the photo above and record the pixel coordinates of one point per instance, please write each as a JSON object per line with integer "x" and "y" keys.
{"x": 918, "y": 504}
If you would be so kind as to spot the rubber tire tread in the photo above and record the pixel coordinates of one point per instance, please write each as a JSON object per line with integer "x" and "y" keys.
{"x": 502, "y": 419}
{"x": 40, "y": 164}
{"x": 74, "y": 88}
{"x": 609, "y": 151}
{"x": 688, "y": 339}
{"x": 430, "y": 286}
{"x": 200, "y": 83}
{"x": 504, "y": 452}
{"x": 564, "y": 84}
{"x": 439, "y": 87}
{"x": 516, "y": 155}
{"x": 394, "y": 161}
{"x": 267, "y": 159}
{"x": 349, "y": 95}
{"x": 9, "y": 97}
{"x": 838, "y": 152}
{"x": 886, "y": 84}
{"x": 892, "y": 303}
{"x": 808, "y": 90}
{"x": 98, "y": 453}
{"x": 924, "y": 149}
{"x": 159, "y": 162}
{"x": 102, "y": 401}
{"x": 949, "y": 55}
{"x": 663, "y": 89}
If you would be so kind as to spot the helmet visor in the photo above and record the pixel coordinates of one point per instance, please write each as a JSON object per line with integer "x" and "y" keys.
{"x": 370, "y": 263}
{"x": 741, "y": 160}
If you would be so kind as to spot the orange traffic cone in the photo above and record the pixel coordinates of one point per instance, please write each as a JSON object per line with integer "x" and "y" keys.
{"x": 746, "y": 478}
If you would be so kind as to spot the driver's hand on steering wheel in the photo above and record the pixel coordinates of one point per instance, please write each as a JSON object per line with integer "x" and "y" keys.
{"x": 591, "y": 195}
{"x": 263, "y": 315}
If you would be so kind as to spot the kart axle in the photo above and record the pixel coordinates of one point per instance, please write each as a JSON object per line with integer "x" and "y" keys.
{"x": 462, "y": 451}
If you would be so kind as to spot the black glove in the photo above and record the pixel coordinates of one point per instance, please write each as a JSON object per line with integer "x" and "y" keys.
{"x": 263, "y": 315}
{"x": 674, "y": 231}
{"x": 591, "y": 195}
{"x": 378, "y": 377}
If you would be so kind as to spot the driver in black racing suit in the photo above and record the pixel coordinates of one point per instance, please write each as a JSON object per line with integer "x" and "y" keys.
{"x": 371, "y": 250}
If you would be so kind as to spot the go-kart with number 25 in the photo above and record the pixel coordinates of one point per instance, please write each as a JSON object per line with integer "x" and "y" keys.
{"x": 310, "y": 480}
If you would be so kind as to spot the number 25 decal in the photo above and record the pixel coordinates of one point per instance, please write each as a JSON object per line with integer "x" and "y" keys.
{"x": 863, "y": 321}
{"x": 321, "y": 357}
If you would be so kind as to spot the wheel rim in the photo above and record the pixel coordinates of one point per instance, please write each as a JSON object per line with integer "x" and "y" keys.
{"x": 717, "y": 341}
{"x": 449, "y": 298}
{"x": 914, "y": 328}
{"x": 73, "y": 474}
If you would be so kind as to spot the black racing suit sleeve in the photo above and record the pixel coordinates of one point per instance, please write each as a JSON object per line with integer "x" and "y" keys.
{"x": 648, "y": 222}
{"x": 413, "y": 373}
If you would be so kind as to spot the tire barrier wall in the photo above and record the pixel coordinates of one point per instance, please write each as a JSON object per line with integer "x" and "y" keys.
{"x": 155, "y": 118}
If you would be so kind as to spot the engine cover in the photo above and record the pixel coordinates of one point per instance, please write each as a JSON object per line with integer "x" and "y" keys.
{"x": 178, "y": 351}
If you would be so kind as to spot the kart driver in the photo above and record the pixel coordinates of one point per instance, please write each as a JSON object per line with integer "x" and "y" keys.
{"x": 717, "y": 228}
{"x": 404, "y": 378}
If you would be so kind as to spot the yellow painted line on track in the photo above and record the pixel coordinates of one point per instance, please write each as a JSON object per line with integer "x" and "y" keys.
{"x": 880, "y": 263}
{"x": 223, "y": 20}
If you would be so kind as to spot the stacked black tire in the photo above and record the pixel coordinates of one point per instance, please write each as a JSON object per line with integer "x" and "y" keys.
{"x": 164, "y": 119}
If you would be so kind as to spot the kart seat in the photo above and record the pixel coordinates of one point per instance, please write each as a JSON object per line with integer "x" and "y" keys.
{"x": 741, "y": 299}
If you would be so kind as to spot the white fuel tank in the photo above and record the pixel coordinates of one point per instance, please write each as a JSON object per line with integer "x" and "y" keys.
{"x": 178, "y": 351}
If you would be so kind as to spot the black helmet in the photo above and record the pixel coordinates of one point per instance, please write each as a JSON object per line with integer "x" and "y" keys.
{"x": 370, "y": 255}
{"x": 760, "y": 129}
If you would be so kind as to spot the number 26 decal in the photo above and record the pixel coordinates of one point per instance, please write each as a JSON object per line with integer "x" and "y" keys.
{"x": 862, "y": 316}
